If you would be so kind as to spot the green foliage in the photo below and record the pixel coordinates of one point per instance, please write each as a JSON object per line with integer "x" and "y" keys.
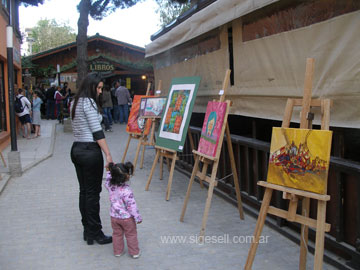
{"x": 36, "y": 71}
{"x": 48, "y": 34}
{"x": 170, "y": 10}
{"x": 101, "y": 8}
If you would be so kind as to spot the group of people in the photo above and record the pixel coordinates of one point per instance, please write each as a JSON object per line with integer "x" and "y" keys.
{"x": 29, "y": 113}
{"x": 88, "y": 109}
{"x": 115, "y": 104}
{"x": 34, "y": 103}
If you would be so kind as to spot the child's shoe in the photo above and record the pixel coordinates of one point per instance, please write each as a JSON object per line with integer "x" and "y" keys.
{"x": 136, "y": 255}
{"x": 119, "y": 255}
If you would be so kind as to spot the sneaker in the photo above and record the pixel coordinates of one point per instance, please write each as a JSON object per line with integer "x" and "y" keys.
{"x": 119, "y": 255}
{"x": 108, "y": 130}
{"x": 136, "y": 256}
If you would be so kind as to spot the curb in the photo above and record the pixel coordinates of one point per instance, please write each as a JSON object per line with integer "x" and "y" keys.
{"x": 6, "y": 177}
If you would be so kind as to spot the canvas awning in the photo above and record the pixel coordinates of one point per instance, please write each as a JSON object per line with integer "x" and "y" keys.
{"x": 214, "y": 15}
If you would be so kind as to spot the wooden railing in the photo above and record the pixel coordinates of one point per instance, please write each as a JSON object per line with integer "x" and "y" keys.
{"x": 343, "y": 210}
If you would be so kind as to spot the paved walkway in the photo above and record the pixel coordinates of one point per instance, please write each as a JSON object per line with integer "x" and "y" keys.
{"x": 40, "y": 222}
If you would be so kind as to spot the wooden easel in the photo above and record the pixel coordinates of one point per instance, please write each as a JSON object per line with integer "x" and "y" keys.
{"x": 214, "y": 161}
{"x": 135, "y": 136}
{"x": 144, "y": 140}
{"x": 169, "y": 154}
{"x": 294, "y": 195}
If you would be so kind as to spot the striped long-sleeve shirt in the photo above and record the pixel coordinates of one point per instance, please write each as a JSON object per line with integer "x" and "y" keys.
{"x": 87, "y": 122}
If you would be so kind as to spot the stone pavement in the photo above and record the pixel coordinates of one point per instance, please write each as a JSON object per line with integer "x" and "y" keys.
{"x": 40, "y": 222}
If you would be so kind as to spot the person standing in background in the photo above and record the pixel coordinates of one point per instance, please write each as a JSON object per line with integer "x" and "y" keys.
{"x": 123, "y": 98}
{"x": 24, "y": 115}
{"x": 50, "y": 102}
{"x": 36, "y": 117}
{"x": 107, "y": 105}
{"x": 116, "y": 112}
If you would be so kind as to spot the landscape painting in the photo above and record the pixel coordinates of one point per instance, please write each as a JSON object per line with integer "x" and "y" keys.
{"x": 177, "y": 113}
{"x": 212, "y": 127}
{"x": 299, "y": 158}
{"x": 135, "y": 124}
{"x": 152, "y": 107}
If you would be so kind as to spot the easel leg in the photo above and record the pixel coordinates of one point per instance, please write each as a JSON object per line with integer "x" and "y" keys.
{"x": 137, "y": 154}
{"x": 234, "y": 171}
{"x": 258, "y": 229}
{"x": 143, "y": 153}
{"x": 208, "y": 200}
{"x": 3, "y": 159}
{"x": 207, "y": 209}
{"x": 168, "y": 164}
{"x": 126, "y": 149}
{"x": 152, "y": 170}
{"x": 195, "y": 169}
{"x": 171, "y": 177}
{"x": 161, "y": 166}
{"x": 304, "y": 234}
{"x": 203, "y": 174}
{"x": 320, "y": 235}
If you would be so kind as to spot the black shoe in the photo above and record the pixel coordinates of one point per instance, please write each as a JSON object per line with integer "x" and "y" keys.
{"x": 102, "y": 239}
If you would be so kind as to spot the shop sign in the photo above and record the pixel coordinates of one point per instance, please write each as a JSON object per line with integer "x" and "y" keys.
{"x": 101, "y": 67}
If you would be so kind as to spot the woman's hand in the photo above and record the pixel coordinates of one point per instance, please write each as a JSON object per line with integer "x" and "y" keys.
{"x": 108, "y": 160}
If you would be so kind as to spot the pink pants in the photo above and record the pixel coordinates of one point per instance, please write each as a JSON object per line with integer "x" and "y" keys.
{"x": 127, "y": 226}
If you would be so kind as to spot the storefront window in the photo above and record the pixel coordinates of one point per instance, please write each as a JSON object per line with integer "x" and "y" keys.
{"x": 2, "y": 99}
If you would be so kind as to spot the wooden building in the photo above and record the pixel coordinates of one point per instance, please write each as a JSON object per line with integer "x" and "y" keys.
{"x": 114, "y": 59}
{"x": 265, "y": 43}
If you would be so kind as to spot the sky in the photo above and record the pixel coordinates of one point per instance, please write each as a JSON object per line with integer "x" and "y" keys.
{"x": 134, "y": 25}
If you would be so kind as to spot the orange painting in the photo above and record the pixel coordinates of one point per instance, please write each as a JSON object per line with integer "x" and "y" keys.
{"x": 135, "y": 124}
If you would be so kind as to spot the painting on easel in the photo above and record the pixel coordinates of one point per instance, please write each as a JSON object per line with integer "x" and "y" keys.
{"x": 135, "y": 124}
{"x": 212, "y": 126}
{"x": 152, "y": 107}
{"x": 299, "y": 158}
{"x": 177, "y": 114}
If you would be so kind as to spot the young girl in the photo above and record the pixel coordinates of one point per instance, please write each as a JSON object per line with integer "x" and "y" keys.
{"x": 124, "y": 212}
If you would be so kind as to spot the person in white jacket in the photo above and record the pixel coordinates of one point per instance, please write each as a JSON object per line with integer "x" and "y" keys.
{"x": 24, "y": 116}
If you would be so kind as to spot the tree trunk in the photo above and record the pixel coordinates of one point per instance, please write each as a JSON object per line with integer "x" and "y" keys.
{"x": 81, "y": 41}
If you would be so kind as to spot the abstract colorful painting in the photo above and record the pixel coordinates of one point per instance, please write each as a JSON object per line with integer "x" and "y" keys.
{"x": 135, "y": 124}
{"x": 299, "y": 158}
{"x": 212, "y": 127}
{"x": 176, "y": 117}
{"x": 152, "y": 107}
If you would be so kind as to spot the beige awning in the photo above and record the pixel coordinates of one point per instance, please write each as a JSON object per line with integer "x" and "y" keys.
{"x": 214, "y": 15}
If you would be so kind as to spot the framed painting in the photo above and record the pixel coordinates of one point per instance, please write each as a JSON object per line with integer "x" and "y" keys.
{"x": 152, "y": 107}
{"x": 212, "y": 128}
{"x": 300, "y": 158}
{"x": 136, "y": 125}
{"x": 178, "y": 109}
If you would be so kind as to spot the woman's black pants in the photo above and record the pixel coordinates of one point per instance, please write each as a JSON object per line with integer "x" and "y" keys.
{"x": 89, "y": 165}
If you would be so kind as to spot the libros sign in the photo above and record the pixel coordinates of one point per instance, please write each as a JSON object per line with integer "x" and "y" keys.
{"x": 101, "y": 67}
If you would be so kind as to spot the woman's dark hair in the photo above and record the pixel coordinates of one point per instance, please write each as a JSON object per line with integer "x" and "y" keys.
{"x": 88, "y": 89}
{"x": 120, "y": 173}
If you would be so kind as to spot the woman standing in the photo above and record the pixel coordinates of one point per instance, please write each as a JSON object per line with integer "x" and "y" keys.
{"x": 36, "y": 116}
{"x": 87, "y": 156}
